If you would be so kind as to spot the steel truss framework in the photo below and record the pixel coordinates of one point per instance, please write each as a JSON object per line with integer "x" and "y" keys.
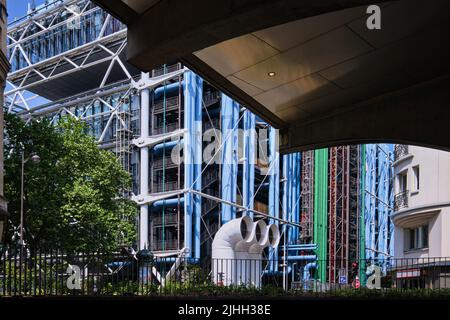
{"x": 46, "y": 46}
{"x": 378, "y": 201}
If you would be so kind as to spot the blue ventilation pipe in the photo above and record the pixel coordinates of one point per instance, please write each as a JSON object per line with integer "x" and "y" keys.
{"x": 170, "y": 89}
{"x": 192, "y": 161}
{"x": 198, "y": 158}
{"x": 166, "y": 146}
{"x": 168, "y": 202}
{"x": 307, "y": 273}
{"x": 248, "y": 167}
{"x": 230, "y": 116}
{"x": 274, "y": 188}
{"x": 302, "y": 258}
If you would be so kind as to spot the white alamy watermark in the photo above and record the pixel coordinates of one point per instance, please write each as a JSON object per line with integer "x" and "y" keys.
{"x": 74, "y": 22}
{"x": 374, "y": 20}
{"x": 228, "y": 147}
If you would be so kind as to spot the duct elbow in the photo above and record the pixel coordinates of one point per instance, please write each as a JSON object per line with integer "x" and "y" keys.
{"x": 229, "y": 235}
{"x": 242, "y": 247}
{"x": 307, "y": 270}
{"x": 271, "y": 238}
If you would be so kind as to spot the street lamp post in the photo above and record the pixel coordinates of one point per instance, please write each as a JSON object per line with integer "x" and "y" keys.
{"x": 35, "y": 159}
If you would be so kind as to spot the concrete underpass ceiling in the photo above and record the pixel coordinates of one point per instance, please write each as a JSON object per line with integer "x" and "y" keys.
{"x": 140, "y": 6}
{"x": 332, "y": 60}
{"x": 319, "y": 66}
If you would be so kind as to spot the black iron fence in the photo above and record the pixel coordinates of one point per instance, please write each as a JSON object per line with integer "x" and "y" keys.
{"x": 57, "y": 273}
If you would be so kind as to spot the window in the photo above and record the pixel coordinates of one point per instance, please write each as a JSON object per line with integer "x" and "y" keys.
{"x": 416, "y": 178}
{"x": 416, "y": 238}
{"x": 402, "y": 182}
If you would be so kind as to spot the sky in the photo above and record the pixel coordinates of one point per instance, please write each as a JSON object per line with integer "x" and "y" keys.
{"x": 18, "y": 8}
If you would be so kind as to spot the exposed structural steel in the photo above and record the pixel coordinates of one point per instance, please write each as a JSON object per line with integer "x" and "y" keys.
{"x": 197, "y": 158}
{"x": 378, "y": 199}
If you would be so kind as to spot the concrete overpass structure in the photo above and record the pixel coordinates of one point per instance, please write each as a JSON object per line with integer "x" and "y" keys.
{"x": 310, "y": 68}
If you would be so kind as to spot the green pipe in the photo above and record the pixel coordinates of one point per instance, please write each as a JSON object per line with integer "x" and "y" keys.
{"x": 362, "y": 227}
{"x": 321, "y": 210}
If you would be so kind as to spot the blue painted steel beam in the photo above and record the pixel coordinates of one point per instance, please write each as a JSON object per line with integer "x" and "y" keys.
{"x": 370, "y": 203}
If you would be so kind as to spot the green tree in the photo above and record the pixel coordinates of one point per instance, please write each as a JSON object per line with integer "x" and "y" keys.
{"x": 72, "y": 197}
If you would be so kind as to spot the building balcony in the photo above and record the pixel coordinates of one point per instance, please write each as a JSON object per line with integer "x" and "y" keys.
{"x": 168, "y": 162}
{"x": 171, "y": 103}
{"x": 168, "y": 186}
{"x": 401, "y": 200}
{"x": 211, "y": 98}
{"x": 166, "y": 70}
{"x": 168, "y": 128}
{"x": 168, "y": 219}
{"x": 400, "y": 151}
{"x": 159, "y": 245}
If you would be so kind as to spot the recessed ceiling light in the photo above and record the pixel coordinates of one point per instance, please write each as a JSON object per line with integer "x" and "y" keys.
{"x": 271, "y": 74}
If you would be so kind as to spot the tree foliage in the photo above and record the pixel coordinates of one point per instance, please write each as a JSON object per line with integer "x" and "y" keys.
{"x": 72, "y": 197}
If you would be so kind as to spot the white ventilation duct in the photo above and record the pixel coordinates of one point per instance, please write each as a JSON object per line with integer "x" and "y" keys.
{"x": 271, "y": 237}
{"x": 237, "y": 251}
{"x": 242, "y": 256}
{"x": 223, "y": 248}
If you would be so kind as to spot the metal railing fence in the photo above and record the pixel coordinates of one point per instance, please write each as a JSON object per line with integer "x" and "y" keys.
{"x": 54, "y": 272}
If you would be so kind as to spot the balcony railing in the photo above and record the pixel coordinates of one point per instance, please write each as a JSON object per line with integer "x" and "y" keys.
{"x": 168, "y": 219}
{"x": 171, "y": 244}
{"x": 168, "y": 128}
{"x": 401, "y": 200}
{"x": 168, "y": 186}
{"x": 211, "y": 97}
{"x": 170, "y": 104}
{"x": 168, "y": 161}
{"x": 400, "y": 150}
{"x": 166, "y": 70}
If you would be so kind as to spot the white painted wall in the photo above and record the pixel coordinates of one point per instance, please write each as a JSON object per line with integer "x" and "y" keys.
{"x": 430, "y": 204}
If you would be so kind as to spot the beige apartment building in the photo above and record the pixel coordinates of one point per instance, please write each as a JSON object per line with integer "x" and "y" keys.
{"x": 422, "y": 213}
{"x": 4, "y": 68}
